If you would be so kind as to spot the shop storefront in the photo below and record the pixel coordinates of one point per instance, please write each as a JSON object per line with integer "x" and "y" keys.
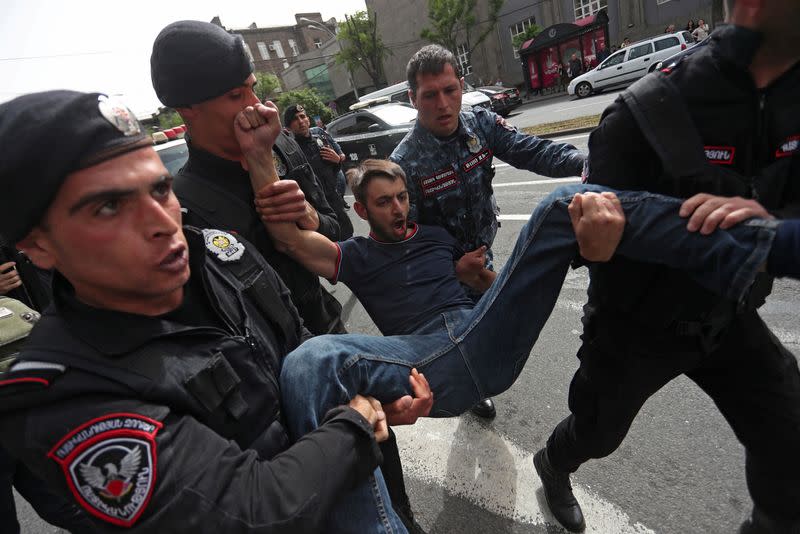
{"x": 554, "y": 46}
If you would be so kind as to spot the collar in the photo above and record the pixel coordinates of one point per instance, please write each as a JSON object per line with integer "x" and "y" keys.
{"x": 462, "y": 132}
{"x": 736, "y": 45}
{"x": 101, "y": 328}
{"x": 414, "y": 229}
{"x": 221, "y": 172}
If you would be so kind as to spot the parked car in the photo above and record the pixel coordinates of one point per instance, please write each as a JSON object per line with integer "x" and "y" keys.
{"x": 504, "y": 99}
{"x": 173, "y": 154}
{"x": 399, "y": 93}
{"x": 372, "y": 132}
{"x": 629, "y": 64}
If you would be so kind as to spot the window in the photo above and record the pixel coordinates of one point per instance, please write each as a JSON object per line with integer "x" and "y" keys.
{"x": 640, "y": 51}
{"x": 293, "y": 46}
{"x": 463, "y": 59}
{"x": 584, "y": 8}
{"x": 518, "y": 29}
{"x": 360, "y": 125}
{"x": 317, "y": 42}
{"x": 616, "y": 59}
{"x": 659, "y": 2}
{"x": 663, "y": 44}
{"x": 262, "y": 49}
{"x": 278, "y": 48}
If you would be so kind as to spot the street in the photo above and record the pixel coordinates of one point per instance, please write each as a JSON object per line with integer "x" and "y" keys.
{"x": 559, "y": 108}
{"x": 680, "y": 470}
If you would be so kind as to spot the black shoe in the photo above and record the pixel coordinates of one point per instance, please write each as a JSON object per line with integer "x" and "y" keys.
{"x": 760, "y": 523}
{"x": 485, "y": 409}
{"x": 558, "y": 493}
{"x": 407, "y": 518}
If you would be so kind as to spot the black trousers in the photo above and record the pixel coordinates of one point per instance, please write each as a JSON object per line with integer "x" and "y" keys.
{"x": 54, "y": 509}
{"x": 751, "y": 377}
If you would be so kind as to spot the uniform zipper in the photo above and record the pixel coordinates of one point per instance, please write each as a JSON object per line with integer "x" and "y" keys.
{"x": 756, "y": 155}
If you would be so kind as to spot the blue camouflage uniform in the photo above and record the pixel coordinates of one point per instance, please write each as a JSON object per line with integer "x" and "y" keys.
{"x": 450, "y": 179}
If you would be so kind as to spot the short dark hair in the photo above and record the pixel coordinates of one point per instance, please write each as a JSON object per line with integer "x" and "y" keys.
{"x": 430, "y": 59}
{"x": 360, "y": 177}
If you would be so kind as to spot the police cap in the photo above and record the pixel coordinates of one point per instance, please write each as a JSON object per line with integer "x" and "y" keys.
{"x": 46, "y": 136}
{"x": 195, "y": 61}
{"x": 291, "y": 112}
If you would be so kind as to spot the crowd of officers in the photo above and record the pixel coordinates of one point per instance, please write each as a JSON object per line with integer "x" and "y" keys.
{"x": 727, "y": 350}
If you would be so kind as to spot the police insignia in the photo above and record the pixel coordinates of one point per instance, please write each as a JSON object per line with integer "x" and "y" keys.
{"x": 788, "y": 147}
{"x": 320, "y": 143}
{"x": 280, "y": 166}
{"x": 118, "y": 115}
{"x": 474, "y": 144}
{"x": 223, "y": 245}
{"x": 502, "y": 122}
{"x": 110, "y": 465}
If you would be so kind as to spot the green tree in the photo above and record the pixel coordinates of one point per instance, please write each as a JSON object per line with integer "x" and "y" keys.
{"x": 169, "y": 118}
{"x": 267, "y": 85}
{"x": 309, "y": 99}
{"x": 361, "y": 47}
{"x": 454, "y": 22}
{"x": 529, "y": 33}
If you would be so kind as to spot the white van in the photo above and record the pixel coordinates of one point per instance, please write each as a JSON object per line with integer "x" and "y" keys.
{"x": 399, "y": 93}
{"x": 629, "y": 64}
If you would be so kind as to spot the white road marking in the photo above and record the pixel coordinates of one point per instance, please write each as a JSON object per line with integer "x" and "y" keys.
{"x": 581, "y": 136}
{"x": 474, "y": 463}
{"x": 574, "y": 180}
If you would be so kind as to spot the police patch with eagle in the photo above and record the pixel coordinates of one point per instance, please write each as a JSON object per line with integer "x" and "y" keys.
{"x": 110, "y": 465}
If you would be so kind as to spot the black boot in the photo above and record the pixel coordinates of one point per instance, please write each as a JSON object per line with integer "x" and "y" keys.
{"x": 392, "y": 471}
{"x": 485, "y": 409}
{"x": 558, "y": 493}
{"x": 760, "y": 523}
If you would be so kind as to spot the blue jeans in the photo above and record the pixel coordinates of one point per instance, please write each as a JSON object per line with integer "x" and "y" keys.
{"x": 472, "y": 353}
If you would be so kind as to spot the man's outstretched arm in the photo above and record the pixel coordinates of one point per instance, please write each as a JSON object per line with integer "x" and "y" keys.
{"x": 256, "y": 129}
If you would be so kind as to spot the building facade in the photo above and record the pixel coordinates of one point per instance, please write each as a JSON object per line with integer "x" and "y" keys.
{"x": 400, "y": 24}
{"x": 276, "y": 48}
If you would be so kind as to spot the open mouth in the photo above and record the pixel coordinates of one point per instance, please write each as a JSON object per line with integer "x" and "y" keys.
{"x": 176, "y": 260}
{"x": 399, "y": 225}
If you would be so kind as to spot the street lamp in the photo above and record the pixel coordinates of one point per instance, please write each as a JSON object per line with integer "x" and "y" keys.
{"x": 316, "y": 26}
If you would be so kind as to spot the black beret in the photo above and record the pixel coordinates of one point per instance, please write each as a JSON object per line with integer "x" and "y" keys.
{"x": 291, "y": 112}
{"x": 195, "y": 61}
{"x": 45, "y": 137}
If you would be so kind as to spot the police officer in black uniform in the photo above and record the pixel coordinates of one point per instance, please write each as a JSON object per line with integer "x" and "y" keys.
{"x": 733, "y": 102}
{"x": 208, "y": 89}
{"x": 148, "y": 393}
{"x": 317, "y": 148}
{"x": 203, "y": 71}
{"x": 22, "y": 281}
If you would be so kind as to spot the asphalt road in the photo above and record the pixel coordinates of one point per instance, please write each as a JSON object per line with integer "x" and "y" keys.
{"x": 680, "y": 470}
{"x": 560, "y": 108}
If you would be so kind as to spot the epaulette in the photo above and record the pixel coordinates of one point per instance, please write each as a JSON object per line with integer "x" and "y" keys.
{"x": 28, "y": 375}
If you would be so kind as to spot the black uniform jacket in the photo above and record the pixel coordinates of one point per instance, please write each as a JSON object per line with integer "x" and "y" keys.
{"x": 157, "y": 425}
{"x": 750, "y": 138}
{"x": 227, "y": 203}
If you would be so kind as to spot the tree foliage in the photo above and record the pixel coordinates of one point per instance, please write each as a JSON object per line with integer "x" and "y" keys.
{"x": 309, "y": 99}
{"x": 267, "y": 85}
{"x": 530, "y": 32}
{"x": 169, "y": 118}
{"x": 361, "y": 46}
{"x": 454, "y": 22}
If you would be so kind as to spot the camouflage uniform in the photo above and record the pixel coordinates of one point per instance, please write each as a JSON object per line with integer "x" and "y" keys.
{"x": 450, "y": 179}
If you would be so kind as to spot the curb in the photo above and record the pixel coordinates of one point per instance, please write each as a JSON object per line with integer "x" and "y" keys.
{"x": 562, "y": 133}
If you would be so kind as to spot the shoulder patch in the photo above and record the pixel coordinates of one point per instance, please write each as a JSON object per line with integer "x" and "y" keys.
{"x": 503, "y": 123}
{"x": 110, "y": 465}
{"x": 222, "y": 245}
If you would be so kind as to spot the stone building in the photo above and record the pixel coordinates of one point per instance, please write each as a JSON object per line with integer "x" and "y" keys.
{"x": 400, "y": 23}
{"x": 276, "y": 48}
